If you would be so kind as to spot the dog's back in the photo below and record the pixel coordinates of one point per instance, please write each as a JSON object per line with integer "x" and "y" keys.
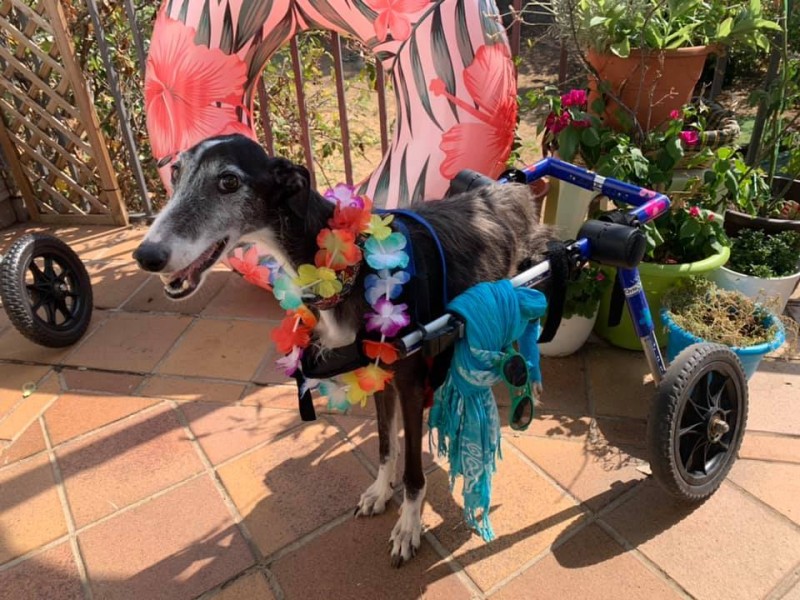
{"x": 487, "y": 234}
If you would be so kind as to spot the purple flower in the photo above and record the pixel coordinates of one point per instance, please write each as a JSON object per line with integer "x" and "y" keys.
{"x": 388, "y": 318}
{"x": 344, "y": 195}
{"x": 291, "y": 362}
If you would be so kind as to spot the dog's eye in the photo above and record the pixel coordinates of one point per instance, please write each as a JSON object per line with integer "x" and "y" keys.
{"x": 228, "y": 183}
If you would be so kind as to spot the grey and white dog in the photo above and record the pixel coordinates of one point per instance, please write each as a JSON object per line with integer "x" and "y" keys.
{"x": 227, "y": 189}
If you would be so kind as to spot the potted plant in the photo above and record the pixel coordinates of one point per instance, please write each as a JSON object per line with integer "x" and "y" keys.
{"x": 698, "y": 311}
{"x": 580, "y": 312}
{"x": 762, "y": 265}
{"x": 648, "y": 55}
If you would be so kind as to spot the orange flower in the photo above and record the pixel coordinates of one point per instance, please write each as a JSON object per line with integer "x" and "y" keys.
{"x": 290, "y": 334}
{"x": 386, "y": 353}
{"x": 307, "y": 318}
{"x": 372, "y": 378}
{"x": 338, "y": 249}
{"x": 352, "y": 218}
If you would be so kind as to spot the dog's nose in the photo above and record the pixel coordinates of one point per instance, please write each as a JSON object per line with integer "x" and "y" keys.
{"x": 151, "y": 257}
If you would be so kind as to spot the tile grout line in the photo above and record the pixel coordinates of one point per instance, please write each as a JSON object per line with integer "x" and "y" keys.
{"x": 121, "y": 306}
{"x": 785, "y": 585}
{"x": 38, "y": 383}
{"x": 193, "y": 321}
{"x": 67, "y": 509}
{"x": 86, "y": 337}
{"x": 34, "y": 553}
{"x": 27, "y": 426}
{"x": 759, "y": 501}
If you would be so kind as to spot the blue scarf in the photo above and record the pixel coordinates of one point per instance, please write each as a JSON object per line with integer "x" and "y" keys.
{"x": 464, "y": 411}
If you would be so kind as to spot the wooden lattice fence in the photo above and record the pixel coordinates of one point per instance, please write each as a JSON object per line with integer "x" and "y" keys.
{"x": 49, "y": 130}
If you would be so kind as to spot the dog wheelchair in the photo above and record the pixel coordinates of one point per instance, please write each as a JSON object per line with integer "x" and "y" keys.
{"x": 697, "y": 417}
{"x": 46, "y": 290}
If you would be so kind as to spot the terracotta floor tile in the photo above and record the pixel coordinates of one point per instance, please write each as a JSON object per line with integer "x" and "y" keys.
{"x": 52, "y": 575}
{"x": 364, "y": 434}
{"x": 74, "y": 414}
{"x": 616, "y": 380}
{"x": 549, "y": 426}
{"x": 100, "y": 381}
{"x": 730, "y": 542}
{"x": 770, "y": 447}
{"x": 596, "y": 473}
{"x": 793, "y": 594}
{"x": 269, "y": 373}
{"x": 219, "y": 349}
{"x": 130, "y": 342}
{"x": 250, "y": 587}
{"x": 774, "y": 390}
{"x": 290, "y": 487}
{"x": 242, "y": 299}
{"x": 590, "y": 565}
{"x": 29, "y": 443}
{"x": 190, "y": 390}
{"x": 369, "y": 576}
{"x": 152, "y": 297}
{"x": 564, "y": 381}
{"x": 176, "y": 546}
{"x": 777, "y": 484}
{"x": 630, "y": 434}
{"x": 225, "y": 431}
{"x": 30, "y": 510}
{"x": 276, "y": 396}
{"x": 23, "y": 415}
{"x": 528, "y": 514}
{"x": 113, "y": 282}
{"x": 125, "y": 463}
{"x": 116, "y": 245}
{"x": 12, "y": 379}
{"x": 14, "y": 346}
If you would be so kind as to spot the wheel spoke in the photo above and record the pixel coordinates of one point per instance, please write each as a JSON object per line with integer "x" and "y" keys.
{"x": 49, "y": 271}
{"x": 51, "y": 313}
{"x": 690, "y": 429}
{"x": 62, "y": 307}
{"x": 38, "y": 276}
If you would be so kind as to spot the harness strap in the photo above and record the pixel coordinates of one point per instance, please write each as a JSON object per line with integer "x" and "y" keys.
{"x": 559, "y": 274}
{"x": 617, "y": 303}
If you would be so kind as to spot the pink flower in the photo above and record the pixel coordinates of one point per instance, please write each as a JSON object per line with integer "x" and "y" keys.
{"x": 675, "y": 115}
{"x": 694, "y": 211}
{"x": 393, "y": 17}
{"x": 291, "y": 362}
{"x": 558, "y": 124}
{"x": 690, "y": 138}
{"x": 388, "y": 318}
{"x": 491, "y": 84}
{"x": 574, "y": 98}
{"x": 710, "y": 216}
{"x": 600, "y": 277}
{"x": 247, "y": 263}
{"x": 344, "y": 195}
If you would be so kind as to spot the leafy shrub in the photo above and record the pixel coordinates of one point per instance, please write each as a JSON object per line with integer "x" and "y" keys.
{"x": 755, "y": 253}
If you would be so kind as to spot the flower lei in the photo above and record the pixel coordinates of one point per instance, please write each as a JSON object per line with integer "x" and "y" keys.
{"x": 354, "y": 234}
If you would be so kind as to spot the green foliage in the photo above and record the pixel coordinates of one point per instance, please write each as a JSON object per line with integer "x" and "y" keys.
{"x": 760, "y": 255}
{"x": 584, "y": 293}
{"x": 616, "y": 26}
{"x": 684, "y": 235}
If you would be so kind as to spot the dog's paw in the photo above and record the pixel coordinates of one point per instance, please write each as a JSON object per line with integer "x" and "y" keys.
{"x": 373, "y": 500}
{"x": 405, "y": 538}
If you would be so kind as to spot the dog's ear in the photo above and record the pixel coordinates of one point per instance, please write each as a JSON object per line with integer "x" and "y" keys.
{"x": 293, "y": 185}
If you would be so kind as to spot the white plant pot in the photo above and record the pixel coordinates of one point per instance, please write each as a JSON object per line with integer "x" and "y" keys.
{"x": 757, "y": 288}
{"x": 570, "y": 337}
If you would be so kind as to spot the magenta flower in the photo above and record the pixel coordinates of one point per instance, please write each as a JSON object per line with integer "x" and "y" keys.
{"x": 694, "y": 211}
{"x": 675, "y": 115}
{"x": 388, "y": 318}
{"x": 574, "y": 98}
{"x": 690, "y": 138}
{"x": 344, "y": 196}
{"x": 291, "y": 362}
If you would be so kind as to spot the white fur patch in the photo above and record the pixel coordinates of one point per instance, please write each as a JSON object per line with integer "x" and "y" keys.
{"x": 373, "y": 501}
{"x": 332, "y": 334}
{"x": 405, "y": 538}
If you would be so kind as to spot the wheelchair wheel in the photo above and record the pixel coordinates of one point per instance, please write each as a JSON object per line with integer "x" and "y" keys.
{"x": 46, "y": 290}
{"x": 697, "y": 421}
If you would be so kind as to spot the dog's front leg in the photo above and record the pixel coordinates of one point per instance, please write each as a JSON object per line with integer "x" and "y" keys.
{"x": 373, "y": 500}
{"x": 405, "y": 538}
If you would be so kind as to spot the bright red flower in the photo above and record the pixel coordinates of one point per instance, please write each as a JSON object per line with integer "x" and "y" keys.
{"x": 191, "y": 91}
{"x": 372, "y": 378}
{"x": 352, "y": 218}
{"x": 393, "y": 17}
{"x": 290, "y": 334}
{"x": 386, "y": 353}
{"x": 490, "y": 83}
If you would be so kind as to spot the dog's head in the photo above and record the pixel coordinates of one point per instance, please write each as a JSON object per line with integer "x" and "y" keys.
{"x": 223, "y": 188}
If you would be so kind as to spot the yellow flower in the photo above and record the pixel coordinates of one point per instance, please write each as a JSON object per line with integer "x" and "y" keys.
{"x": 379, "y": 228}
{"x": 329, "y": 284}
{"x": 306, "y": 276}
{"x": 354, "y": 394}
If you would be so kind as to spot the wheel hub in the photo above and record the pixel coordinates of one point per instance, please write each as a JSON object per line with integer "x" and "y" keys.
{"x": 717, "y": 427}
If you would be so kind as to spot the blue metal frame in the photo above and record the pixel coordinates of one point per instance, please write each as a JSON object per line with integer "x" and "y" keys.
{"x": 647, "y": 205}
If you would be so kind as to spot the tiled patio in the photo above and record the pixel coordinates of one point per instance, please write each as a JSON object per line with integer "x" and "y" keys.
{"x": 163, "y": 457}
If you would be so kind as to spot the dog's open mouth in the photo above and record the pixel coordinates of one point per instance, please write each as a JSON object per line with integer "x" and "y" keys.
{"x": 182, "y": 283}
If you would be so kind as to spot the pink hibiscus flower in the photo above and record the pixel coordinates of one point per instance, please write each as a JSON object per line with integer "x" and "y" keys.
{"x": 247, "y": 264}
{"x": 690, "y": 138}
{"x": 393, "y": 17}
{"x": 191, "y": 92}
{"x": 490, "y": 82}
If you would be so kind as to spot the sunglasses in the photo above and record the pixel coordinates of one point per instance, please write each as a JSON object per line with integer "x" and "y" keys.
{"x": 515, "y": 373}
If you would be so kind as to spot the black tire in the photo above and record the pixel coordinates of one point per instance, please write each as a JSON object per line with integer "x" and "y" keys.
{"x": 46, "y": 290}
{"x": 703, "y": 392}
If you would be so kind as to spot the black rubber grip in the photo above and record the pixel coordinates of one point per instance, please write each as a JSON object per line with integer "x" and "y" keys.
{"x": 614, "y": 244}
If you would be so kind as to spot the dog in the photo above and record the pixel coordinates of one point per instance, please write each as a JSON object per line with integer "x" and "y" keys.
{"x": 227, "y": 190}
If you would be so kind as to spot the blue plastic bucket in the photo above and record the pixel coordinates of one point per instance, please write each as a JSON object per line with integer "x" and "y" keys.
{"x": 678, "y": 339}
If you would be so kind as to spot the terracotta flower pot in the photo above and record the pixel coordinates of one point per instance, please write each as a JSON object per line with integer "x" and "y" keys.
{"x": 652, "y": 83}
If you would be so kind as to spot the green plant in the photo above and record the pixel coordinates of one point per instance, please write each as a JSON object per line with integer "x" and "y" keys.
{"x": 583, "y": 293}
{"x": 715, "y": 315}
{"x": 755, "y": 253}
{"x": 616, "y": 26}
{"x": 684, "y": 235}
